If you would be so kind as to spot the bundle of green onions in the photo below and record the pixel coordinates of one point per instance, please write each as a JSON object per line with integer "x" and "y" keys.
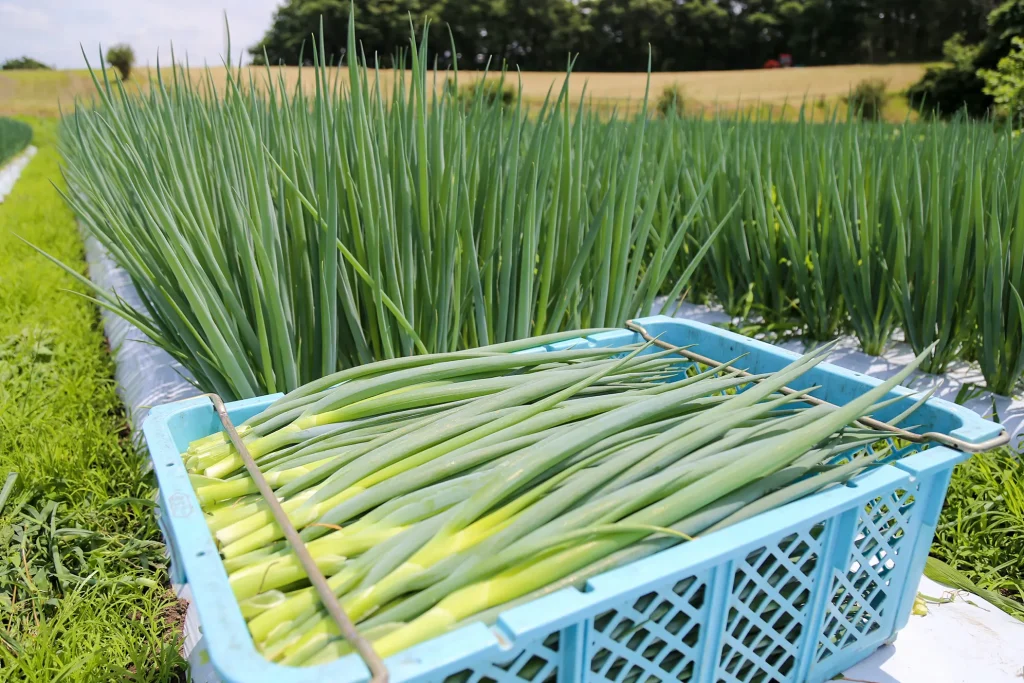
{"x": 436, "y": 489}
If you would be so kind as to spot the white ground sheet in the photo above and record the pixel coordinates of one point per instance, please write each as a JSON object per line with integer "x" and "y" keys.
{"x": 11, "y": 171}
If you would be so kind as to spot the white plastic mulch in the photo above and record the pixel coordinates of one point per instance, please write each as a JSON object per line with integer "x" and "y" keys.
{"x": 10, "y": 172}
{"x": 146, "y": 375}
{"x": 964, "y": 640}
{"x": 1009, "y": 411}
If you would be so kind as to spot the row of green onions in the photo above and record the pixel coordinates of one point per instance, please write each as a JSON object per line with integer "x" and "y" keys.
{"x": 439, "y": 489}
{"x": 278, "y": 231}
{"x": 14, "y": 137}
{"x": 867, "y": 230}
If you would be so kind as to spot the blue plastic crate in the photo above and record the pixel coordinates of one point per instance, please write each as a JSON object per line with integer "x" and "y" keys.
{"x": 817, "y": 584}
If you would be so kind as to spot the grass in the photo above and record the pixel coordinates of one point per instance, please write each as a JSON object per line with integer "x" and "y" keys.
{"x": 981, "y": 529}
{"x": 41, "y": 93}
{"x": 82, "y": 582}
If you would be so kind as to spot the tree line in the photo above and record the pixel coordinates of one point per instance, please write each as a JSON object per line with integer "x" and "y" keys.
{"x": 979, "y": 77}
{"x": 614, "y": 35}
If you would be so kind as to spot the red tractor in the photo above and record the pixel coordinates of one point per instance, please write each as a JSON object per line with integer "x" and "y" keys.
{"x": 785, "y": 60}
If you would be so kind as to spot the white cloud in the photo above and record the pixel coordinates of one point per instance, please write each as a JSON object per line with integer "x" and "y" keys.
{"x": 52, "y": 30}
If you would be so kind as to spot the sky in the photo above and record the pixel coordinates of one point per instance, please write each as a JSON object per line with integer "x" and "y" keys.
{"x": 52, "y": 30}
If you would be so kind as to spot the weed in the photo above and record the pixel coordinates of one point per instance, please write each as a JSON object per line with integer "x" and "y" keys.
{"x": 672, "y": 101}
{"x": 490, "y": 91}
{"x": 868, "y": 98}
{"x": 981, "y": 530}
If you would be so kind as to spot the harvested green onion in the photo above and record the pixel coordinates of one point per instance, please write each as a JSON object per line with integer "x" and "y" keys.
{"x": 446, "y": 489}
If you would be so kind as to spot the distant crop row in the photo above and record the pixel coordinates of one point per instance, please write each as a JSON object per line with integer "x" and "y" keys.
{"x": 276, "y": 237}
{"x": 869, "y": 228}
{"x": 14, "y": 137}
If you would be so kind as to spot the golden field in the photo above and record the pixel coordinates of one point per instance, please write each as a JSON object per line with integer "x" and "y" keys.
{"x": 43, "y": 93}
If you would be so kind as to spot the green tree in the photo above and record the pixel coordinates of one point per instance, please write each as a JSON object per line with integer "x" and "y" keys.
{"x": 621, "y": 34}
{"x": 382, "y": 28}
{"x": 1005, "y": 83}
{"x": 698, "y": 28}
{"x": 617, "y": 35}
{"x": 957, "y": 86}
{"x": 536, "y": 35}
{"x": 22, "y": 63}
{"x": 953, "y": 87}
{"x": 122, "y": 58}
{"x": 476, "y": 33}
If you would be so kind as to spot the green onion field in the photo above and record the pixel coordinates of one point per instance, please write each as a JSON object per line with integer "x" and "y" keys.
{"x": 461, "y": 223}
{"x": 375, "y": 249}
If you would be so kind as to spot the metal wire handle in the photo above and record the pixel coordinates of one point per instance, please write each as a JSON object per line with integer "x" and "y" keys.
{"x": 378, "y": 671}
{"x": 929, "y": 437}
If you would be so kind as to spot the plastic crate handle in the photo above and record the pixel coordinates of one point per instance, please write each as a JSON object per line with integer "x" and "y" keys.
{"x": 929, "y": 437}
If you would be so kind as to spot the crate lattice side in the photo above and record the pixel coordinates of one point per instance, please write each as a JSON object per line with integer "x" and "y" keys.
{"x": 866, "y": 590}
{"x": 656, "y": 636}
{"x": 536, "y": 662}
